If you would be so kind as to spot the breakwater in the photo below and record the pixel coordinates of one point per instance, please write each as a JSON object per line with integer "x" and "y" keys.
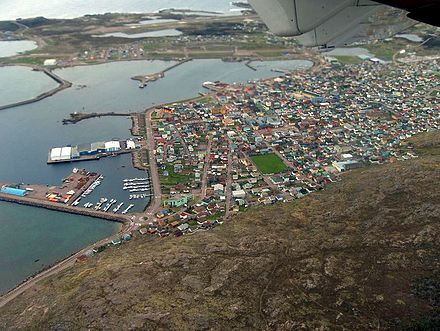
{"x": 63, "y": 208}
{"x": 63, "y": 84}
{"x": 156, "y": 76}
{"x": 78, "y": 117}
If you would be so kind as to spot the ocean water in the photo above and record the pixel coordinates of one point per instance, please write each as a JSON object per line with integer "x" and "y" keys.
{"x": 14, "y": 47}
{"x": 32, "y": 239}
{"x": 28, "y": 132}
{"x": 29, "y": 83}
{"x": 13, "y": 9}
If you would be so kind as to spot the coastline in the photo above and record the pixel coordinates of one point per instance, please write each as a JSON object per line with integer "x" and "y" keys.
{"x": 59, "y": 266}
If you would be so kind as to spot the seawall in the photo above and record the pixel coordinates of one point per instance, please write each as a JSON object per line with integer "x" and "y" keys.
{"x": 65, "y": 209}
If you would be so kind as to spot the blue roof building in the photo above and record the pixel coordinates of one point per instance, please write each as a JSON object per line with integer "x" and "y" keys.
{"x": 13, "y": 191}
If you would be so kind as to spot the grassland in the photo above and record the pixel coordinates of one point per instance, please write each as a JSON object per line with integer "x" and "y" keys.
{"x": 174, "y": 178}
{"x": 269, "y": 163}
{"x": 346, "y": 59}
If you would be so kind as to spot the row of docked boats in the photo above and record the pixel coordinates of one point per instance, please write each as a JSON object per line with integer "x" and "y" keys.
{"x": 139, "y": 196}
{"x": 93, "y": 186}
{"x": 125, "y": 211}
{"x": 137, "y": 185}
{"x": 109, "y": 204}
{"x": 129, "y": 180}
{"x": 89, "y": 190}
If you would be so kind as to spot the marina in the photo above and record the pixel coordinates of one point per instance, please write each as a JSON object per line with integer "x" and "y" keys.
{"x": 67, "y": 197}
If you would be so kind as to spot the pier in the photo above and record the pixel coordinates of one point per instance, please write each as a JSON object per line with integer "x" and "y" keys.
{"x": 248, "y": 64}
{"x": 59, "y": 198}
{"x": 88, "y": 157}
{"x": 143, "y": 80}
{"x": 78, "y": 117}
{"x": 64, "y": 84}
{"x": 86, "y": 153}
{"x": 64, "y": 208}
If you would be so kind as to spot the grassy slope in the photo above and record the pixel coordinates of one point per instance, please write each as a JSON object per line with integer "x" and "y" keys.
{"x": 363, "y": 254}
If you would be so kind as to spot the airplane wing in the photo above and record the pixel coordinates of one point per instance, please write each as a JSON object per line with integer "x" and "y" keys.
{"x": 332, "y": 23}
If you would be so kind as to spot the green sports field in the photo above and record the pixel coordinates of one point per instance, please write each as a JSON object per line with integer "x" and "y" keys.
{"x": 269, "y": 163}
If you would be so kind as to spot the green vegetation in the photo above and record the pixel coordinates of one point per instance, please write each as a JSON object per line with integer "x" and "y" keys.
{"x": 23, "y": 60}
{"x": 216, "y": 216}
{"x": 347, "y": 59}
{"x": 382, "y": 51}
{"x": 269, "y": 163}
{"x": 174, "y": 178}
{"x": 270, "y": 53}
{"x": 8, "y": 26}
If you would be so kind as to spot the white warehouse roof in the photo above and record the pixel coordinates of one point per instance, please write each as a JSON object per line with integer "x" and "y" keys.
{"x": 66, "y": 151}
{"x": 131, "y": 144}
{"x": 55, "y": 153}
{"x": 112, "y": 145}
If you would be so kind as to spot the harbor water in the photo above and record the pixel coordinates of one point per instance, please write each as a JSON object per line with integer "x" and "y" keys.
{"x": 28, "y": 132}
{"x": 29, "y": 83}
{"x": 32, "y": 239}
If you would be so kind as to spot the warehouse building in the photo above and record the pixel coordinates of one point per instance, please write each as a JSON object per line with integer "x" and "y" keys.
{"x": 96, "y": 148}
{"x": 55, "y": 154}
{"x": 13, "y": 191}
{"x": 131, "y": 144}
{"x": 84, "y": 149}
{"x": 66, "y": 153}
{"x": 112, "y": 146}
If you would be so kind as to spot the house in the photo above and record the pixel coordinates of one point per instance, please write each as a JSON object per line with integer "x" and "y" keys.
{"x": 183, "y": 227}
{"x": 178, "y": 201}
{"x": 239, "y": 194}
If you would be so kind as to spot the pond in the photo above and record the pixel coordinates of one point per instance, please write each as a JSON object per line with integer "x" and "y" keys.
{"x": 150, "y": 34}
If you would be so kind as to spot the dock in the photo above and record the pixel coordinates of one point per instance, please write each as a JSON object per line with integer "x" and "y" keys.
{"x": 65, "y": 208}
{"x": 145, "y": 79}
{"x": 248, "y": 64}
{"x": 59, "y": 198}
{"x": 78, "y": 117}
{"x": 88, "y": 157}
{"x": 87, "y": 153}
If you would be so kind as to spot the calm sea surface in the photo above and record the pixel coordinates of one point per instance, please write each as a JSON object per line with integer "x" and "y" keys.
{"x": 12, "y": 9}
{"x": 31, "y": 239}
{"x": 28, "y": 132}
{"x": 14, "y": 47}
{"x": 29, "y": 84}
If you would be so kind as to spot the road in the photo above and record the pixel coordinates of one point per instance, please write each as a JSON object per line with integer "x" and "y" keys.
{"x": 206, "y": 168}
{"x": 228, "y": 188}
{"x": 156, "y": 203}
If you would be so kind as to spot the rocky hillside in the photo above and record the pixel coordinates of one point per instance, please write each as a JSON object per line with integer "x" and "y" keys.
{"x": 364, "y": 254}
